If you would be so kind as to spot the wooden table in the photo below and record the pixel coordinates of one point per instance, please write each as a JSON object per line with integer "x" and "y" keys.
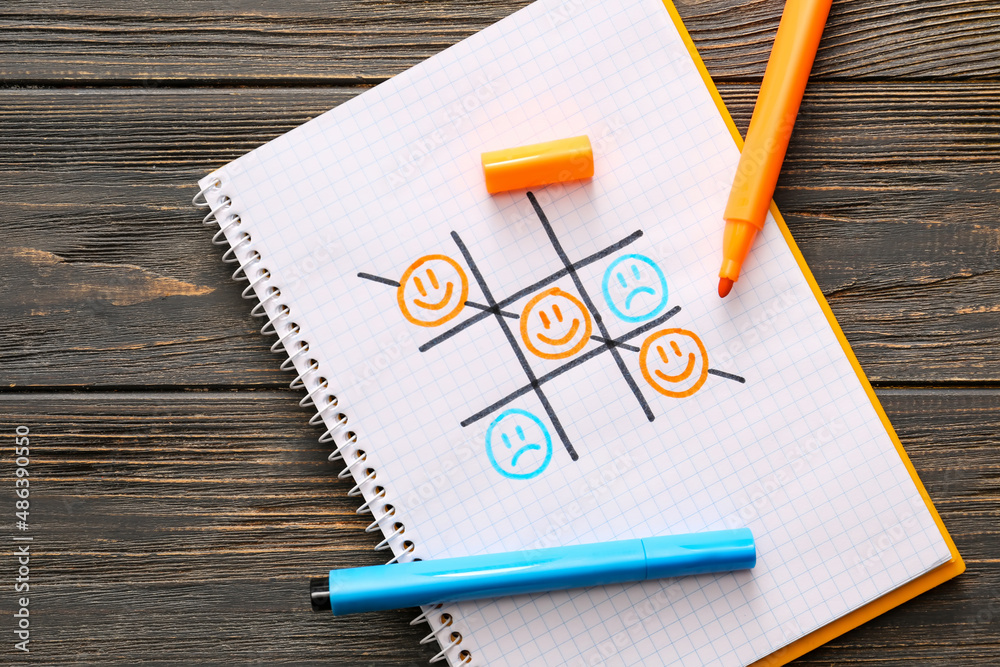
{"x": 180, "y": 501}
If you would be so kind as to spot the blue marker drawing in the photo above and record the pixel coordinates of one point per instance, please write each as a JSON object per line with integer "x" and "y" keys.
{"x": 518, "y": 444}
{"x": 635, "y": 288}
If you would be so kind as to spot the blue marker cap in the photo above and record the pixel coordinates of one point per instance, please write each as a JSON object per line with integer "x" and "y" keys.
{"x": 417, "y": 583}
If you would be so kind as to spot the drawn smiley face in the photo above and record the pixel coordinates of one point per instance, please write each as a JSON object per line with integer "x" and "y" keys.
{"x": 555, "y": 324}
{"x": 518, "y": 444}
{"x": 635, "y": 288}
{"x": 432, "y": 290}
{"x": 674, "y": 362}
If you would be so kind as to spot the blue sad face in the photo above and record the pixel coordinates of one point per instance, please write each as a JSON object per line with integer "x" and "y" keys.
{"x": 635, "y": 288}
{"x": 518, "y": 444}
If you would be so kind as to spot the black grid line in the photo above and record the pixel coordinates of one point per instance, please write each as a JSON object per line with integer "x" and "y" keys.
{"x": 534, "y": 287}
{"x": 495, "y": 310}
{"x": 506, "y": 313}
{"x": 472, "y": 304}
{"x": 571, "y": 270}
{"x": 610, "y": 345}
{"x": 729, "y": 376}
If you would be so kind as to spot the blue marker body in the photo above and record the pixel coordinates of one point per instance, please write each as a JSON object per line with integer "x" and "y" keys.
{"x": 451, "y": 579}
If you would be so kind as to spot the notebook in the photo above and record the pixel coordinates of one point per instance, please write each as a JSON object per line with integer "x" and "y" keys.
{"x": 553, "y": 367}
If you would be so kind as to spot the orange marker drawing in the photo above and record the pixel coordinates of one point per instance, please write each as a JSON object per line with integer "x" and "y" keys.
{"x": 538, "y": 164}
{"x": 432, "y": 290}
{"x": 771, "y": 125}
{"x": 555, "y": 324}
{"x": 674, "y": 362}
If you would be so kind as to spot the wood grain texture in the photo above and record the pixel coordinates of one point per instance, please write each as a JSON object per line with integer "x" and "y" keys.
{"x": 110, "y": 280}
{"x": 183, "y": 527}
{"x": 162, "y": 42}
{"x": 180, "y": 526}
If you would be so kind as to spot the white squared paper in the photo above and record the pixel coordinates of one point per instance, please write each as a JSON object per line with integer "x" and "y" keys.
{"x": 796, "y": 452}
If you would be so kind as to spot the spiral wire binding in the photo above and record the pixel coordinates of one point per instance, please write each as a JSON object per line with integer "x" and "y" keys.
{"x": 258, "y": 278}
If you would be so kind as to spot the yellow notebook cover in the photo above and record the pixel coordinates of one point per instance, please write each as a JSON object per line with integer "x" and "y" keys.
{"x": 919, "y": 585}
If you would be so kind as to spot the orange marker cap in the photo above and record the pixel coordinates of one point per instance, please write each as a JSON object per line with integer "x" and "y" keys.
{"x": 538, "y": 164}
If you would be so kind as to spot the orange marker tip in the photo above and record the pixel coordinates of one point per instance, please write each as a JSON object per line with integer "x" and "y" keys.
{"x": 725, "y": 287}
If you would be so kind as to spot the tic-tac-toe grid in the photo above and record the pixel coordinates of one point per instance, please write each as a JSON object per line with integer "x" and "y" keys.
{"x": 607, "y": 343}
{"x": 494, "y": 307}
{"x": 561, "y": 69}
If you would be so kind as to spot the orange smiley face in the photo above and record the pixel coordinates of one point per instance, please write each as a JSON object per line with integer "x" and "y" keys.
{"x": 674, "y": 362}
{"x": 432, "y": 290}
{"x": 555, "y": 324}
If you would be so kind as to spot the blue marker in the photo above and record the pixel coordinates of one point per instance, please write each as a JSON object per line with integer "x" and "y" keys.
{"x": 379, "y": 587}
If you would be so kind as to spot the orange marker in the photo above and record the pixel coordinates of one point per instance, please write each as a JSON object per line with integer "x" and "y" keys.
{"x": 792, "y": 56}
{"x": 538, "y": 164}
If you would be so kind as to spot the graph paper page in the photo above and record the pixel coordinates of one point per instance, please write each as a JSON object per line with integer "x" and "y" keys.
{"x": 525, "y": 371}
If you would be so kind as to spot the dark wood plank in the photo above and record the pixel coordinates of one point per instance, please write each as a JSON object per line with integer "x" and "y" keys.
{"x": 124, "y": 287}
{"x": 183, "y": 528}
{"x": 108, "y": 278}
{"x": 158, "y": 41}
{"x": 179, "y": 527}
